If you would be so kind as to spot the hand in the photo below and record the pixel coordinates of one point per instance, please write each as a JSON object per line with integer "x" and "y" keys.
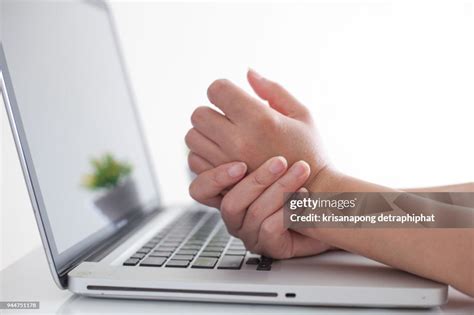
{"x": 253, "y": 209}
{"x": 251, "y": 131}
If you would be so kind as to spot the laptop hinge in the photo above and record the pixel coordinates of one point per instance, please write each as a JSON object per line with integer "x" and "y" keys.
{"x": 111, "y": 243}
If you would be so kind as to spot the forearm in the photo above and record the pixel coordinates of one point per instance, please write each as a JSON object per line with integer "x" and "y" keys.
{"x": 444, "y": 255}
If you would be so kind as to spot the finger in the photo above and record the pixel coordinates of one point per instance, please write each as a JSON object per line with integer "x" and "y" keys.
{"x": 236, "y": 201}
{"x": 205, "y": 148}
{"x": 301, "y": 245}
{"x": 214, "y": 202}
{"x": 276, "y": 96}
{"x": 236, "y": 104}
{"x": 280, "y": 243}
{"x": 198, "y": 164}
{"x": 211, "y": 124}
{"x": 209, "y": 184}
{"x": 305, "y": 246}
{"x": 271, "y": 201}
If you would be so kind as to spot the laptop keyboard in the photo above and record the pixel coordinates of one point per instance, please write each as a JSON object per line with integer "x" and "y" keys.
{"x": 199, "y": 239}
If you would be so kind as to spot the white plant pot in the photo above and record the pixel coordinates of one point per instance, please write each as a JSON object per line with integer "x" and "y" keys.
{"x": 115, "y": 203}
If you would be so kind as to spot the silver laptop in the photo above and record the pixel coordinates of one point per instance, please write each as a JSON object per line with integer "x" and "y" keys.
{"x": 104, "y": 231}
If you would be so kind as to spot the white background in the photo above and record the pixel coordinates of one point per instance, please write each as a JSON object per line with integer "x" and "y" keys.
{"x": 391, "y": 85}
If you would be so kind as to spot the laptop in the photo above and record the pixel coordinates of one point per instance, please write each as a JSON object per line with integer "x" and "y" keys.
{"x": 96, "y": 201}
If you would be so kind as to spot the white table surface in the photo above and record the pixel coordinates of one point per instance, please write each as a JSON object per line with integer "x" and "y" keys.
{"x": 29, "y": 280}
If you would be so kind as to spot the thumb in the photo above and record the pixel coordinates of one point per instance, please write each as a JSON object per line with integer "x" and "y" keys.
{"x": 276, "y": 96}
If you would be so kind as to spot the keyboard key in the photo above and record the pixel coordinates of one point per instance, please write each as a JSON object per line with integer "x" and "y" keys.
{"x": 220, "y": 239}
{"x": 198, "y": 239}
{"x": 166, "y": 248}
{"x": 138, "y": 255}
{"x": 218, "y": 243}
{"x": 171, "y": 244}
{"x": 213, "y": 249}
{"x": 159, "y": 253}
{"x": 221, "y": 244}
{"x": 236, "y": 247}
{"x": 266, "y": 260}
{"x": 204, "y": 262}
{"x": 187, "y": 252}
{"x": 191, "y": 247}
{"x": 210, "y": 254}
{"x": 236, "y": 252}
{"x": 231, "y": 262}
{"x": 253, "y": 261}
{"x": 264, "y": 267}
{"x": 131, "y": 262}
{"x": 265, "y": 263}
{"x": 194, "y": 242}
{"x": 183, "y": 257}
{"x": 153, "y": 262}
{"x": 145, "y": 250}
{"x": 174, "y": 239}
{"x": 177, "y": 263}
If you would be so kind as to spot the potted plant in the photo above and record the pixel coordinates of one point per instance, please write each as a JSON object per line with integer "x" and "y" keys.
{"x": 115, "y": 189}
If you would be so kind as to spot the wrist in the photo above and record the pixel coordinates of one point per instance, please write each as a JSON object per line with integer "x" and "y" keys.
{"x": 327, "y": 179}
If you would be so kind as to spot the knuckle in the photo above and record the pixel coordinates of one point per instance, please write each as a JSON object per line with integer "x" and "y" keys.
{"x": 268, "y": 121}
{"x": 258, "y": 180}
{"x": 253, "y": 214}
{"x": 228, "y": 206}
{"x": 192, "y": 162}
{"x": 188, "y": 138}
{"x": 283, "y": 185}
{"x": 193, "y": 191}
{"x": 242, "y": 147}
{"x": 191, "y": 158}
{"x": 217, "y": 87}
{"x": 215, "y": 180}
{"x": 199, "y": 115}
{"x": 267, "y": 228}
{"x": 239, "y": 144}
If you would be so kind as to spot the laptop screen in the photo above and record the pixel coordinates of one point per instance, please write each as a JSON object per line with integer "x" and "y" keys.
{"x": 85, "y": 153}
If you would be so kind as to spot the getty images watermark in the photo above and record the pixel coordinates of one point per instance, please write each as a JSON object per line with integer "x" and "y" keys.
{"x": 380, "y": 210}
{"x": 19, "y": 305}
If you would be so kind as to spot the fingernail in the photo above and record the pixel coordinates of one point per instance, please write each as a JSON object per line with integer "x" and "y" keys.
{"x": 277, "y": 165}
{"x": 237, "y": 170}
{"x": 256, "y": 75}
{"x": 299, "y": 168}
